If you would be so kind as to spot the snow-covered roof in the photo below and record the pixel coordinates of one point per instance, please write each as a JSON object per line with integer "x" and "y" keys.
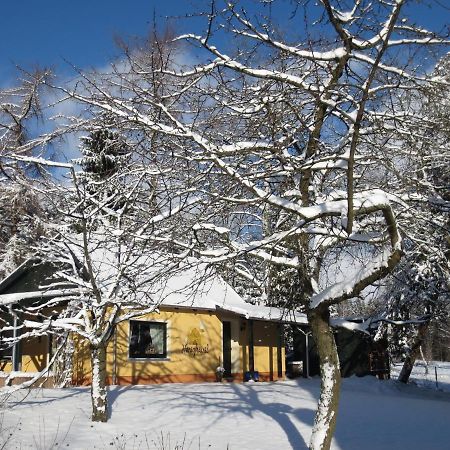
{"x": 16, "y": 297}
{"x": 195, "y": 288}
{"x": 191, "y": 285}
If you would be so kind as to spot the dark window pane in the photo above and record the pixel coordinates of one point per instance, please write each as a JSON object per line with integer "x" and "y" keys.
{"x": 147, "y": 339}
{"x": 5, "y": 348}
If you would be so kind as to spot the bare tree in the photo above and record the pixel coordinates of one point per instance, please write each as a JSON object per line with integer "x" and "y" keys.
{"x": 110, "y": 239}
{"x": 108, "y": 247}
{"x": 21, "y": 209}
{"x": 418, "y": 289}
{"x": 18, "y": 107}
{"x": 287, "y": 130}
{"x": 297, "y": 128}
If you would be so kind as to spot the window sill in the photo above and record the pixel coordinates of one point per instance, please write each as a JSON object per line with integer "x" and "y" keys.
{"x": 148, "y": 359}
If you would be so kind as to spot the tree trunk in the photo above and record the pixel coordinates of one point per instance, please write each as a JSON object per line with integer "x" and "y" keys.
{"x": 325, "y": 419}
{"x": 414, "y": 352}
{"x": 98, "y": 384}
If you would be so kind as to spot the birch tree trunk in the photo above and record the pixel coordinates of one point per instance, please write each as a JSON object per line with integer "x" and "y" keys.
{"x": 98, "y": 384}
{"x": 414, "y": 352}
{"x": 325, "y": 419}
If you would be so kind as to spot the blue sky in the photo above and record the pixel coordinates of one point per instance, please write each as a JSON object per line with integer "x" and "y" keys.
{"x": 46, "y": 32}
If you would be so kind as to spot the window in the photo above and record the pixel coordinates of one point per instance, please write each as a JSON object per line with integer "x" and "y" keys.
{"x": 148, "y": 339}
{"x": 5, "y": 348}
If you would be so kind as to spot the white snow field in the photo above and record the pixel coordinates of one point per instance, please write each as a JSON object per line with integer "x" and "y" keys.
{"x": 253, "y": 416}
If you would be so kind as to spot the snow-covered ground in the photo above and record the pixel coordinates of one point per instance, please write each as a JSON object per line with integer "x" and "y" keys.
{"x": 431, "y": 375}
{"x": 253, "y": 416}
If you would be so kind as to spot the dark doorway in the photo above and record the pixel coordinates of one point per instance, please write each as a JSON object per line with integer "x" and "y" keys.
{"x": 226, "y": 346}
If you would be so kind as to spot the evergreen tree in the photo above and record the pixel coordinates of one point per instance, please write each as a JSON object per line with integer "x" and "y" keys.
{"x": 104, "y": 153}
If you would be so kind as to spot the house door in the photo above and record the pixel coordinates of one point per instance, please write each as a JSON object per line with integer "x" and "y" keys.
{"x": 226, "y": 348}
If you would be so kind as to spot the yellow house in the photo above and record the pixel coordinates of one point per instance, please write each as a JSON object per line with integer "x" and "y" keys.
{"x": 197, "y": 334}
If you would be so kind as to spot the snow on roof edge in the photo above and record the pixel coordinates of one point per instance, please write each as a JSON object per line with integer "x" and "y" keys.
{"x": 212, "y": 294}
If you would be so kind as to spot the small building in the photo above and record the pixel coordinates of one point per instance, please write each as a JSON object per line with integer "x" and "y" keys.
{"x": 196, "y": 329}
{"x": 359, "y": 354}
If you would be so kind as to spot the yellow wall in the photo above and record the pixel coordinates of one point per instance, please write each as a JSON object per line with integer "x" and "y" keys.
{"x": 5, "y": 365}
{"x": 180, "y": 365}
{"x": 34, "y": 356}
{"x": 265, "y": 338}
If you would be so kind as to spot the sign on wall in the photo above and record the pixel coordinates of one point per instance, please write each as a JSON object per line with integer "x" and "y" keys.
{"x": 195, "y": 344}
